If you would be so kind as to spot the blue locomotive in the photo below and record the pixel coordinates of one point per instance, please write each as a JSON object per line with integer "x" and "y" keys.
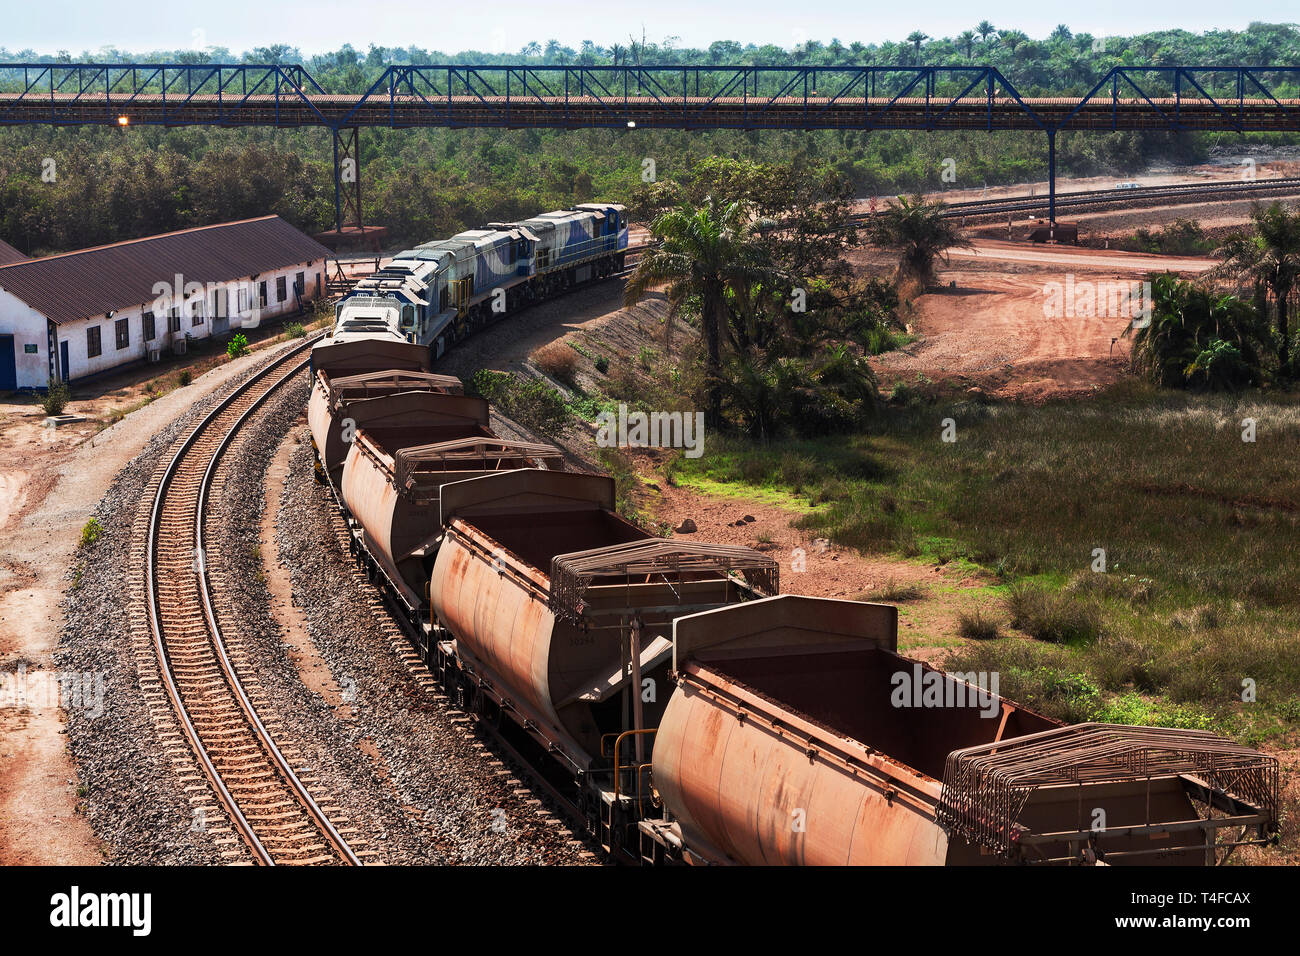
{"x": 440, "y": 291}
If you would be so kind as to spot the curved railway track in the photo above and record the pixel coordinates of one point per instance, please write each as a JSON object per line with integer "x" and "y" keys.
{"x": 269, "y": 806}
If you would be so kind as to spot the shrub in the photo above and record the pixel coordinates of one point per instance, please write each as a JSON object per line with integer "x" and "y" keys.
{"x": 1040, "y": 677}
{"x": 881, "y": 338}
{"x": 294, "y": 330}
{"x": 831, "y": 393}
{"x": 1197, "y": 339}
{"x": 1202, "y": 618}
{"x": 91, "y": 532}
{"x": 976, "y": 627}
{"x": 602, "y": 365}
{"x": 558, "y": 362}
{"x": 56, "y": 398}
{"x": 903, "y": 394}
{"x": 184, "y": 377}
{"x": 533, "y": 404}
{"x": 893, "y": 590}
{"x": 1053, "y": 617}
{"x": 238, "y": 345}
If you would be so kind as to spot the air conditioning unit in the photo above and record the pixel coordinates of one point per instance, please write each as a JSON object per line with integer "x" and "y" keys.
{"x": 155, "y": 354}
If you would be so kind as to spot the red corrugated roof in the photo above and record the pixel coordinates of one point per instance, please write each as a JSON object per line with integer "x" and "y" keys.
{"x": 90, "y": 282}
{"x": 9, "y": 254}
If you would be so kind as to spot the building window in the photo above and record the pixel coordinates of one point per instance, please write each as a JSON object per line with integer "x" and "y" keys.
{"x": 280, "y": 294}
{"x": 174, "y": 321}
{"x": 300, "y": 284}
{"x": 122, "y": 332}
{"x": 147, "y": 327}
{"x": 261, "y": 293}
{"x": 197, "y": 311}
{"x": 92, "y": 342}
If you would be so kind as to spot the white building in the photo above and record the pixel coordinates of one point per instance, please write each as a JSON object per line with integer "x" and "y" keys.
{"x": 80, "y": 313}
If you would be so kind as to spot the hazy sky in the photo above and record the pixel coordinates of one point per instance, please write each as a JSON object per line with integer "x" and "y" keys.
{"x": 48, "y": 26}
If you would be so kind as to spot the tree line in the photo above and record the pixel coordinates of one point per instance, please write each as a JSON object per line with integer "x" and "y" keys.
{"x": 1062, "y": 60}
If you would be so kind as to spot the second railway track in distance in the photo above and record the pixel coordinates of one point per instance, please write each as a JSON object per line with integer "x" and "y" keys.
{"x": 1173, "y": 194}
{"x": 275, "y": 816}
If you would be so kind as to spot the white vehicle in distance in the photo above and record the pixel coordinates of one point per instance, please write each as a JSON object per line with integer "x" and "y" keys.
{"x": 1128, "y": 185}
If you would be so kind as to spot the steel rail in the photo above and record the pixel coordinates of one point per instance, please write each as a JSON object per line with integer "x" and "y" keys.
{"x": 245, "y": 828}
{"x": 1106, "y": 197}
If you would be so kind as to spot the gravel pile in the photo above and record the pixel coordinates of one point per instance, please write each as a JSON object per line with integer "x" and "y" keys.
{"x": 132, "y": 795}
{"x": 470, "y": 808}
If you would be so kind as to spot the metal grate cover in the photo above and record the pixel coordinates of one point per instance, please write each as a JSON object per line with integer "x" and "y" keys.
{"x": 986, "y": 787}
{"x": 573, "y": 573}
{"x": 464, "y": 454}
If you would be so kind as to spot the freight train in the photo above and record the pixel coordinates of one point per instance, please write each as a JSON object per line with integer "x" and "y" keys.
{"x": 439, "y": 292}
{"x": 664, "y": 689}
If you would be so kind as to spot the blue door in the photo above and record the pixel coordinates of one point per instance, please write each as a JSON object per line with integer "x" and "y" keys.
{"x": 8, "y": 364}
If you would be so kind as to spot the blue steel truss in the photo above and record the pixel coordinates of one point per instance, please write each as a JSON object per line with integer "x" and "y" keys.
{"x": 1168, "y": 98}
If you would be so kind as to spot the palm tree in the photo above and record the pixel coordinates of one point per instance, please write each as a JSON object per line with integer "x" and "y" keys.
{"x": 1012, "y": 39}
{"x": 703, "y": 252}
{"x": 985, "y": 29}
{"x": 1196, "y": 338}
{"x": 967, "y": 40}
{"x": 1268, "y": 257}
{"x": 918, "y": 230}
{"x": 916, "y": 38}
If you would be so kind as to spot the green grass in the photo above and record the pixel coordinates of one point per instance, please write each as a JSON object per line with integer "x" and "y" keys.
{"x": 893, "y": 591}
{"x": 1201, "y": 590}
{"x": 1057, "y": 617}
{"x": 532, "y": 403}
{"x": 978, "y": 626}
{"x": 881, "y": 339}
{"x": 752, "y": 493}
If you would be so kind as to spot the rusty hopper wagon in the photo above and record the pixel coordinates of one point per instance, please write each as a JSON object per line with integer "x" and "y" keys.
{"x": 559, "y": 614}
{"x": 394, "y": 475}
{"x": 793, "y": 737}
{"x": 371, "y": 399}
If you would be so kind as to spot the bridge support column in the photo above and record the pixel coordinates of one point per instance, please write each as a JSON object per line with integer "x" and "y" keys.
{"x": 347, "y": 177}
{"x": 1051, "y": 179}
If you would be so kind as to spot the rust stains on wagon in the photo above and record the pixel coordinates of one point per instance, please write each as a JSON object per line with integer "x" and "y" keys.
{"x": 786, "y": 743}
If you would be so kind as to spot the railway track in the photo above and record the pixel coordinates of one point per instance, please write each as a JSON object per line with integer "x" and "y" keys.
{"x": 1143, "y": 195}
{"x": 203, "y": 674}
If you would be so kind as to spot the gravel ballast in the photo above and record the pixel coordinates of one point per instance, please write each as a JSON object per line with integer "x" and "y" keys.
{"x": 409, "y": 783}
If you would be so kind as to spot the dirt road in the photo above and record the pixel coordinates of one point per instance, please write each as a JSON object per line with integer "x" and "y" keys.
{"x": 1071, "y": 257}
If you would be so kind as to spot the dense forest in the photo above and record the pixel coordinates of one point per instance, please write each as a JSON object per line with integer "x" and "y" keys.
{"x": 111, "y": 184}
